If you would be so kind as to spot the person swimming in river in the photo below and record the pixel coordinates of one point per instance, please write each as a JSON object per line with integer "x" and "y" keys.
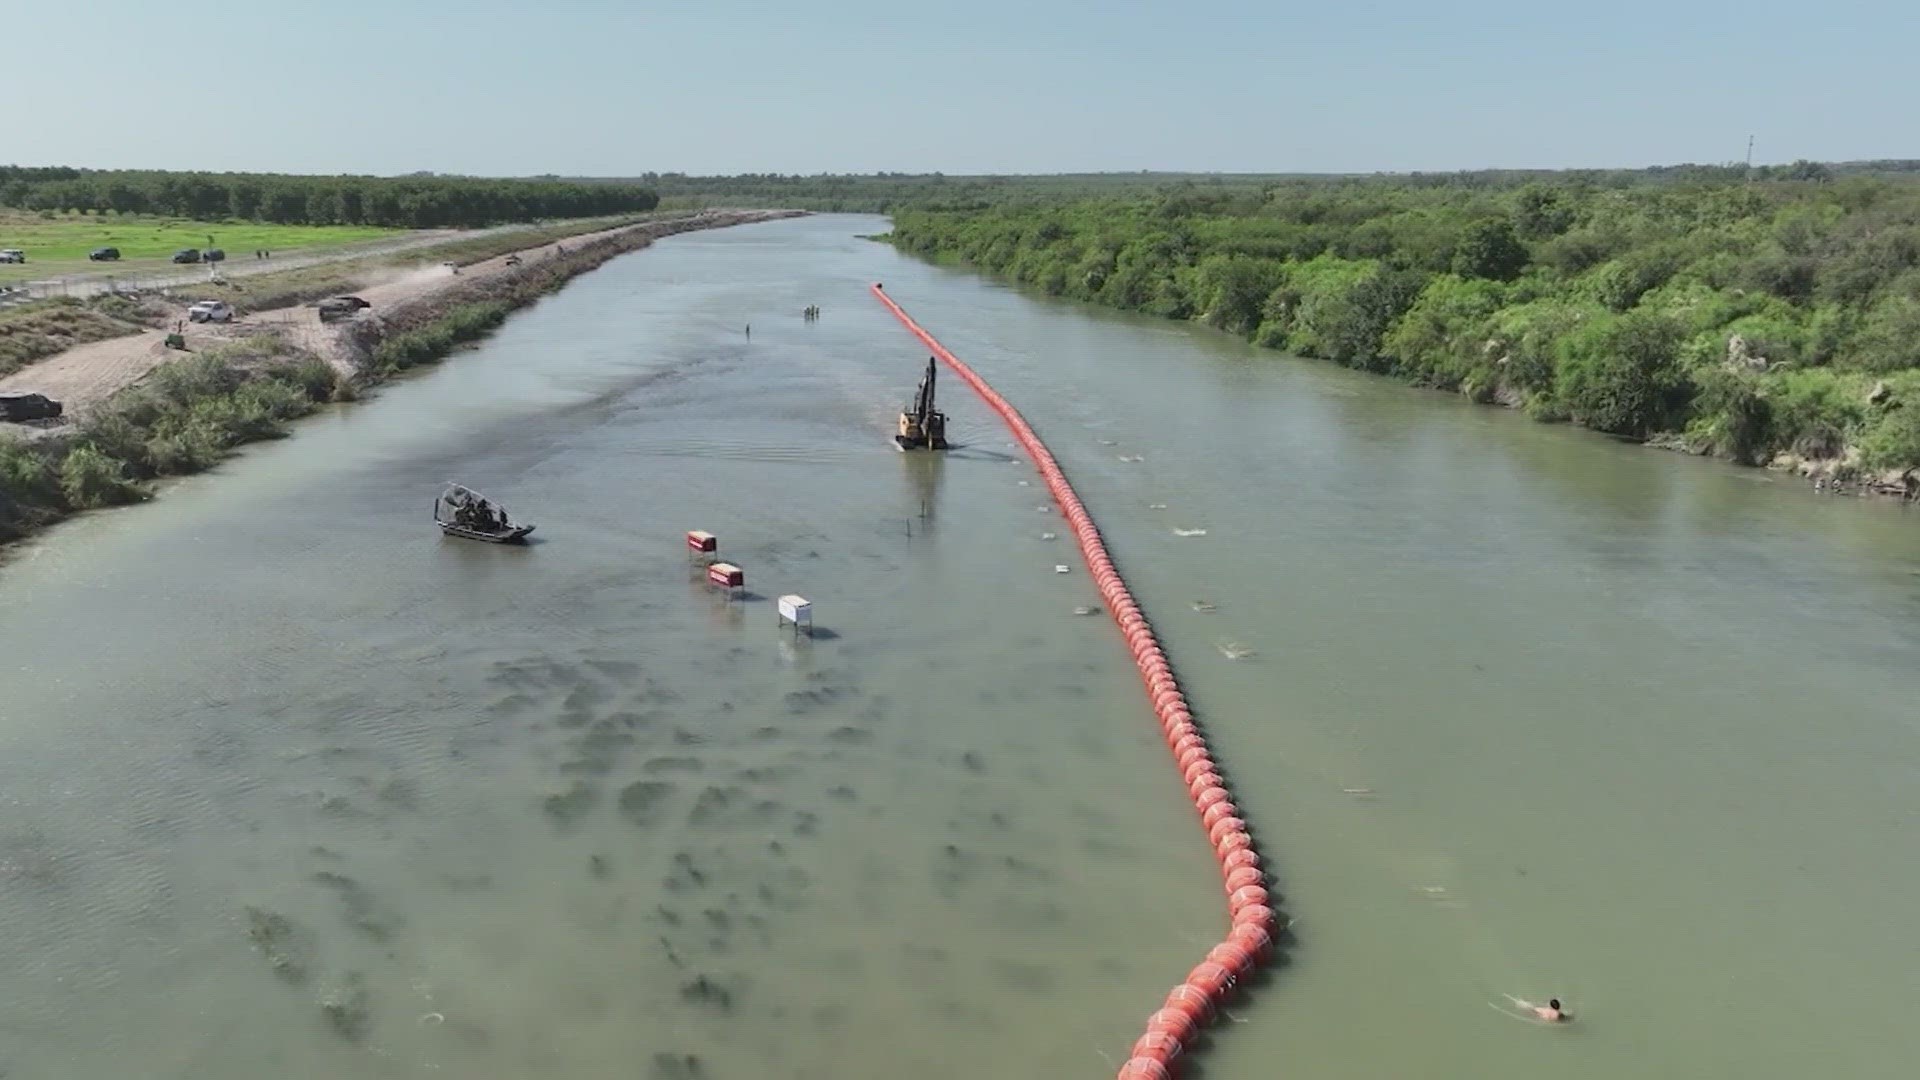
{"x": 1551, "y": 1013}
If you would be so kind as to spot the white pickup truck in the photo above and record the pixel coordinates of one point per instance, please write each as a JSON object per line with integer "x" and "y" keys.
{"x": 210, "y": 311}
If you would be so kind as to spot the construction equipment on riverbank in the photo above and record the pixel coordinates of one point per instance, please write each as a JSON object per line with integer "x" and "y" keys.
{"x": 921, "y": 425}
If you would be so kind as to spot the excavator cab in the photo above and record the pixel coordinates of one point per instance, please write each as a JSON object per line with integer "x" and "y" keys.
{"x": 921, "y": 425}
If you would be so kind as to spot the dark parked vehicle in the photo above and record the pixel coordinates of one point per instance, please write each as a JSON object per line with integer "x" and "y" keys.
{"x": 214, "y": 255}
{"x": 187, "y": 255}
{"x": 20, "y": 408}
{"x": 341, "y": 307}
{"x": 108, "y": 254}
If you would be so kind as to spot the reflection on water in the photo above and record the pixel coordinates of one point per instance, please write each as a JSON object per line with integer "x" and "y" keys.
{"x": 297, "y": 787}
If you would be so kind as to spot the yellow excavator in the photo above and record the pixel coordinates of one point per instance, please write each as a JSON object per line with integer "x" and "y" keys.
{"x": 921, "y": 425}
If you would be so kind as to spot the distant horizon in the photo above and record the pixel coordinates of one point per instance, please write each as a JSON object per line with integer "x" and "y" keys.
{"x": 1910, "y": 164}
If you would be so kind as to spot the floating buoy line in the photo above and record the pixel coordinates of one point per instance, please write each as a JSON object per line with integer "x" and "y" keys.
{"x": 1253, "y": 922}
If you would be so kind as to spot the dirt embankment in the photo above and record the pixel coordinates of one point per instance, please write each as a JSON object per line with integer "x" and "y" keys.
{"x": 420, "y": 297}
{"x": 84, "y": 377}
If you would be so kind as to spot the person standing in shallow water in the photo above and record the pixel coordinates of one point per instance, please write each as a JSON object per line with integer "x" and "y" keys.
{"x": 749, "y": 331}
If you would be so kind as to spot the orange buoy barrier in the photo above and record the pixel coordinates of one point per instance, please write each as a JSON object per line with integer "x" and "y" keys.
{"x": 1192, "y": 1003}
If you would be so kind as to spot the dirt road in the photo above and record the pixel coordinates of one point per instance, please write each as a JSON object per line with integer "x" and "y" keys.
{"x": 84, "y": 377}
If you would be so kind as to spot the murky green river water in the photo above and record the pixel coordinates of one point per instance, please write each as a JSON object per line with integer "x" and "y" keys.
{"x": 1637, "y": 730}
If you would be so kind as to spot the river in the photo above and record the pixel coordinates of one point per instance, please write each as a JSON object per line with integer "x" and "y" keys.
{"x": 1516, "y": 710}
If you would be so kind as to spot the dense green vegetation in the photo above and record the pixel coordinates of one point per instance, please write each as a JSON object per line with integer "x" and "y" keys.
{"x": 1775, "y": 314}
{"x": 425, "y": 344}
{"x": 182, "y": 420}
{"x": 409, "y": 202}
{"x": 884, "y": 192}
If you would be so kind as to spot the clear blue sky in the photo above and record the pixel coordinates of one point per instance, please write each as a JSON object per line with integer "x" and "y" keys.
{"x": 603, "y": 87}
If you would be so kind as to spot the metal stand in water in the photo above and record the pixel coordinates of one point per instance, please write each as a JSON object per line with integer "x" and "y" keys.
{"x": 921, "y": 425}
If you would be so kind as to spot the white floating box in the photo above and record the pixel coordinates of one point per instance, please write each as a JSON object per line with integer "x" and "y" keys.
{"x": 796, "y": 610}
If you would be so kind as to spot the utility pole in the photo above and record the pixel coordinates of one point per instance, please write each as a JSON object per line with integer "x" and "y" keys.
{"x": 1749, "y": 159}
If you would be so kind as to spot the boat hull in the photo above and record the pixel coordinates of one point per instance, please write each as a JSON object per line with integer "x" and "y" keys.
{"x": 515, "y": 535}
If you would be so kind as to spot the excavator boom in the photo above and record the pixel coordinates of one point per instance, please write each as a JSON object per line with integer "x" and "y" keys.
{"x": 922, "y": 424}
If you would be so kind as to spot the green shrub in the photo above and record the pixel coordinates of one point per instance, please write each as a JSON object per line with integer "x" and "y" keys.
{"x": 1732, "y": 416}
{"x": 1439, "y": 341}
{"x": 90, "y": 479}
{"x": 1889, "y": 337}
{"x": 425, "y": 344}
{"x": 1815, "y": 411}
{"x": 27, "y": 474}
{"x": 313, "y": 376}
{"x": 1893, "y": 440}
{"x": 1619, "y": 374}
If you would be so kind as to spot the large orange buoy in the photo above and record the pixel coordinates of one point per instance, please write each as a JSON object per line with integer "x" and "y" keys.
{"x": 1216, "y": 812}
{"x": 1246, "y": 896}
{"x": 1224, "y": 827}
{"x": 1239, "y": 859}
{"x": 1211, "y": 978}
{"x": 1199, "y": 753}
{"x": 1255, "y": 938}
{"x": 1191, "y": 1003}
{"x": 1258, "y": 915}
{"x": 1234, "y": 956}
{"x": 1173, "y": 1023}
{"x": 1241, "y": 876}
{"x": 1232, "y": 842}
{"x": 1145, "y": 1069}
{"x": 1194, "y": 769}
{"x": 1159, "y": 1046}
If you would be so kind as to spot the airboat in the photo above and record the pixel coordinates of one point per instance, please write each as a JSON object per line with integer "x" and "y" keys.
{"x": 462, "y": 511}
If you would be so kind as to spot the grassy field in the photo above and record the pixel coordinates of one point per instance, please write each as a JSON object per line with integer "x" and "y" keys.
{"x": 57, "y": 244}
{"x": 259, "y": 292}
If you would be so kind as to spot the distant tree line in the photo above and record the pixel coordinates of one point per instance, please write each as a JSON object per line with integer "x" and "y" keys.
{"x": 885, "y": 192}
{"x": 1731, "y": 311}
{"x": 411, "y": 202}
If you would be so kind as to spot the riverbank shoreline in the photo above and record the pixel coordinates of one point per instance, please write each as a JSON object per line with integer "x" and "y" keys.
{"x": 163, "y": 413}
{"x": 1827, "y": 475}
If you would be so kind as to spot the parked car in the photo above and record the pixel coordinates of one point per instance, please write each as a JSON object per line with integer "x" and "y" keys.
{"x": 107, "y": 254}
{"x": 214, "y": 255}
{"x": 341, "y": 307}
{"x": 187, "y": 255}
{"x": 20, "y": 408}
{"x": 210, "y": 311}
{"x": 12, "y": 255}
